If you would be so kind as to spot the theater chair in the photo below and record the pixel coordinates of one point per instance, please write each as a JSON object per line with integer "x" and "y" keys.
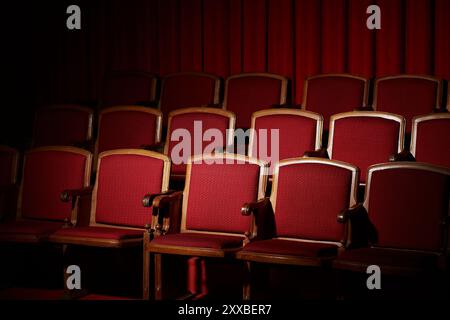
{"x": 182, "y": 121}
{"x": 430, "y": 139}
{"x": 187, "y": 90}
{"x": 62, "y": 125}
{"x": 47, "y": 171}
{"x": 407, "y": 95}
{"x": 329, "y": 94}
{"x": 211, "y": 224}
{"x": 407, "y": 204}
{"x": 306, "y": 197}
{"x": 249, "y": 92}
{"x": 122, "y": 88}
{"x": 9, "y": 160}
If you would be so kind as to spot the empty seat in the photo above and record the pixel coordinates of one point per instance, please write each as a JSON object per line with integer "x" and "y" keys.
{"x": 328, "y": 94}
{"x": 307, "y": 195}
{"x": 407, "y": 95}
{"x": 407, "y": 205}
{"x": 123, "y": 88}
{"x": 62, "y": 125}
{"x": 430, "y": 139}
{"x": 211, "y": 224}
{"x": 249, "y": 92}
{"x": 365, "y": 138}
{"x": 187, "y": 90}
{"x": 205, "y": 130}
{"x": 47, "y": 172}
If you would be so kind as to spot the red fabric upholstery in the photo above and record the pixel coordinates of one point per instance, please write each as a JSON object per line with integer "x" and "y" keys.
{"x": 292, "y": 248}
{"x": 334, "y": 94}
{"x": 46, "y": 175}
{"x": 127, "y": 89}
{"x": 99, "y": 233}
{"x": 6, "y": 165}
{"x": 199, "y": 240}
{"x": 187, "y": 90}
{"x": 126, "y": 129}
{"x": 217, "y": 193}
{"x": 30, "y": 227}
{"x": 60, "y": 126}
{"x": 408, "y": 97}
{"x": 433, "y": 142}
{"x": 122, "y": 182}
{"x": 355, "y": 141}
{"x": 309, "y": 197}
{"x": 406, "y": 207}
{"x": 249, "y": 94}
{"x": 297, "y": 134}
{"x": 186, "y": 121}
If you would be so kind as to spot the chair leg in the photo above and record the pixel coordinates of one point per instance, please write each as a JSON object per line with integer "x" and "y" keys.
{"x": 246, "y": 289}
{"x": 158, "y": 277}
{"x": 146, "y": 275}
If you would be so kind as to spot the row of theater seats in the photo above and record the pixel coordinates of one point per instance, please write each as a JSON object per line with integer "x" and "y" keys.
{"x": 312, "y": 217}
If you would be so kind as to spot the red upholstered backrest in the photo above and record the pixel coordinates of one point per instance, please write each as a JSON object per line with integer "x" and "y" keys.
{"x": 127, "y": 89}
{"x": 296, "y": 133}
{"x": 62, "y": 126}
{"x": 433, "y": 141}
{"x": 248, "y": 94}
{"x": 46, "y": 174}
{"x": 217, "y": 193}
{"x": 309, "y": 196}
{"x": 364, "y": 141}
{"x": 126, "y": 129}
{"x": 8, "y": 160}
{"x": 334, "y": 94}
{"x": 187, "y": 90}
{"x": 406, "y": 207}
{"x": 185, "y": 121}
{"x": 408, "y": 97}
{"x": 123, "y": 180}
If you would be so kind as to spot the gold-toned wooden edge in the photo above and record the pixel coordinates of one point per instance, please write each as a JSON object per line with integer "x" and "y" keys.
{"x": 415, "y": 124}
{"x": 14, "y": 162}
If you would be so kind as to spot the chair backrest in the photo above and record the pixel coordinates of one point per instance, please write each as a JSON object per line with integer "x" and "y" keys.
{"x": 62, "y": 125}
{"x": 216, "y": 188}
{"x": 329, "y": 94}
{"x": 122, "y": 88}
{"x": 249, "y": 92}
{"x": 407, "y": 95}
{"x": 407, "y": 203}
{"x": 9, "y": 159}
{"x": 298, "y": 131}
{"x": 48, "y": 171}
{"x": 128, "y": 127}
{"x": 187, "y": 129}
{"x": 307, "y": 196}
{"x": 187, "y": 90}
{"x": 124, "y": 177}
{"x": 365, "y": 138}
{"x": 430, "y": 139}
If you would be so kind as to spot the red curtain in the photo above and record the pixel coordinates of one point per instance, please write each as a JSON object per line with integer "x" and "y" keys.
{"x": 295, "y": 38}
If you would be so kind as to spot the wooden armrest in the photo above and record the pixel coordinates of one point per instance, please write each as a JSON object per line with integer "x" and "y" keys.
{"x": 161, "y": 200}
{"x": 321, "y": 153}
{"x": 405, "y": 155}
{"x": 350, "y": 213}
{"x": 68, "y": 195}
{"x": 360, "y": 231}
{"x": 264, "y": 220}
{"x": 147, "y": 201}
{"x": 253, "y": 207}
{"x": 166, "y": 212}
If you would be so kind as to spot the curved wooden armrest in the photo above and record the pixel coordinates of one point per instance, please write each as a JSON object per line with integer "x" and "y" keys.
{"x": 350, "y": 213}
{"x": 405, "y": 155}
{"x": 320, "y": 153}
{"x": 162, "y": 200}
{"x": 68, "y": 195}
{"x": 264, "y": 220}
{"x": 147, "y": 201}
{"x": 253, "y": 207}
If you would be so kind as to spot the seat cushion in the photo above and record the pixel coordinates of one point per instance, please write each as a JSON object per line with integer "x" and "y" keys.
{"x": 199, "y": 241}
{"x": 99, "y": 233}
{"x": 30, "y": 227}
{"x": 292, "y": 248}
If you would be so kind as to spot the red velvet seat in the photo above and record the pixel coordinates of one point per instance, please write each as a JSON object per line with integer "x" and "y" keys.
{"x": 121, "y": 88}
{"x": 307, "y": 195}
{"x": 329, "y": 94}
{"x": 183, "y": 121}
{"x": 47, "y": 172}
{"x": 188, "y": 90}
{"x": 430, "y": 140}
{"x": 407, "y": 204}
{"x": 365, "y": 138}
{"x": 249, "y": 92}
{"x": 407, "y": 95}
{"x": 62, "y": 125}
{"x": 211, "y": 223}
